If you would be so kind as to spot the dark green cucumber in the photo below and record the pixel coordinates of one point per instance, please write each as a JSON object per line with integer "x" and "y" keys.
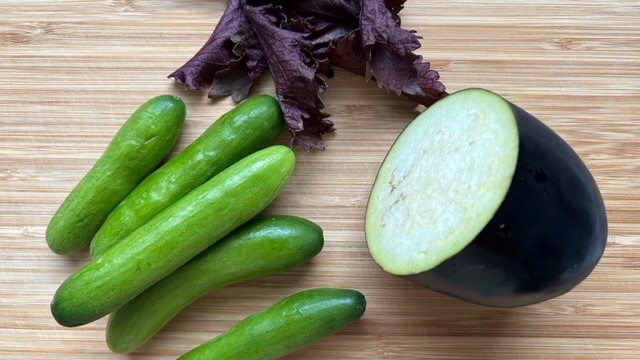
{"x": 295, "y": 322}
{"x": 261, "y": 247}
{"x": 136, "y": 149}
{"x": 173, "y": 237}
{"x": 245, "y": 129}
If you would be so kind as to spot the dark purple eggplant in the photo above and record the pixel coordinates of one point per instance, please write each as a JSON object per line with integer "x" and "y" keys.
{"x": 479, "y": 200}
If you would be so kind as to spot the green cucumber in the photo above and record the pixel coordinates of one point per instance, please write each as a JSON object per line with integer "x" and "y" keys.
{"x": 293, "y": 323}
{"x": 134, "y": 152}
{"x": 245, "y": 129}
{"x": 261, "y": 247}
{"x": 173, "y": 237}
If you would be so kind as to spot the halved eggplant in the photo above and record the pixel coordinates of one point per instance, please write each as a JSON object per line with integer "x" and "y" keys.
{"x": 479, "y": 200}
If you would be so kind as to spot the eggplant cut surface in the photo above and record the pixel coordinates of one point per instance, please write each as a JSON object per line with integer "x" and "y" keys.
{"x": 441, "y": 182}
{"x": 479, "y": 200}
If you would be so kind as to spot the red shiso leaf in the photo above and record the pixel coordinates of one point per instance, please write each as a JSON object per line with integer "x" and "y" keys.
{"x": 395, "y": 6}
{"x": 299, "y": 40}
{"x": 216, "y": 56}
{"x": 297, "y": 86}
{"x": 238, "y": 80}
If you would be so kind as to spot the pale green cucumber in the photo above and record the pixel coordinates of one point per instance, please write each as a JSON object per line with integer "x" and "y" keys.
{"x": 135, "y": 150}
{"x": 293, "y": 323}
{"x": 173, "y": 237}
{"x": 261, "y": 247}
{"x": 245, "y": 129}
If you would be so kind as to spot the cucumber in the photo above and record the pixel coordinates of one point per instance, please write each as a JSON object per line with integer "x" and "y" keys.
{"x": 261, "y": 247}
{"x": 173, "y": 237}
{"x": 295, "y": 322}
{"x": 243, "y": 130}
{"x": 136, "y": 149}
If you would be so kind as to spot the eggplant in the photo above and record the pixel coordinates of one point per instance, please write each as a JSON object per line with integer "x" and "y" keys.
{"x": 479, "y": 200}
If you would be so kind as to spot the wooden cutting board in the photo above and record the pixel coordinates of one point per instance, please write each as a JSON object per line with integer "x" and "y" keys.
{"x": 72, "y": 71}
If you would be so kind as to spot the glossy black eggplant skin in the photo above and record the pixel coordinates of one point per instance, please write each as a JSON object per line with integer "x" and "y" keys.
{"x": 546, "y": 237}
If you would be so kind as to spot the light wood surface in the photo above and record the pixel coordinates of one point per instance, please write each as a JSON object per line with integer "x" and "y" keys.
{"x": 72, "y": 71}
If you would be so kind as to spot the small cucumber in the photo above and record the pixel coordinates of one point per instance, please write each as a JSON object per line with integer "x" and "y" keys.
{"x": 292, "y": 323}
{"x": 173, "y": 237}
{"x": 261, "y": 247}
{"x": 243, "y": 130}
{"x": 136, "y": 149}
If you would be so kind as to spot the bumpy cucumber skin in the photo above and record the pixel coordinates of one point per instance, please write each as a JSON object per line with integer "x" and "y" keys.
{"x": 136, "y": 149}
{"x": 245, "y": 129}
{"x": 261, "y": 247}
{"x": 173, "y": 237}
{"x": 292, "y": 323}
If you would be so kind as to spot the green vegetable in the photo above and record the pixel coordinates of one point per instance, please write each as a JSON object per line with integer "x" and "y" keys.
{"x": 295, "y": 322}
{"x": 136, "y": 149}
{"x": 261, "y": 247}
{"x": 238, "y": 133}
{"x": 173, "y": 237}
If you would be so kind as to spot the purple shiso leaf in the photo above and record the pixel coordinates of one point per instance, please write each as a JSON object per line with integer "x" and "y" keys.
{"x": 297, "y": 85}
{"x": 217, "y": 55}
{"x": 299, "y": 40}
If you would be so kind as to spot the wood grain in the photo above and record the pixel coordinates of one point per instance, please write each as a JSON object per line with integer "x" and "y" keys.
{"x": 72, "y": 72}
